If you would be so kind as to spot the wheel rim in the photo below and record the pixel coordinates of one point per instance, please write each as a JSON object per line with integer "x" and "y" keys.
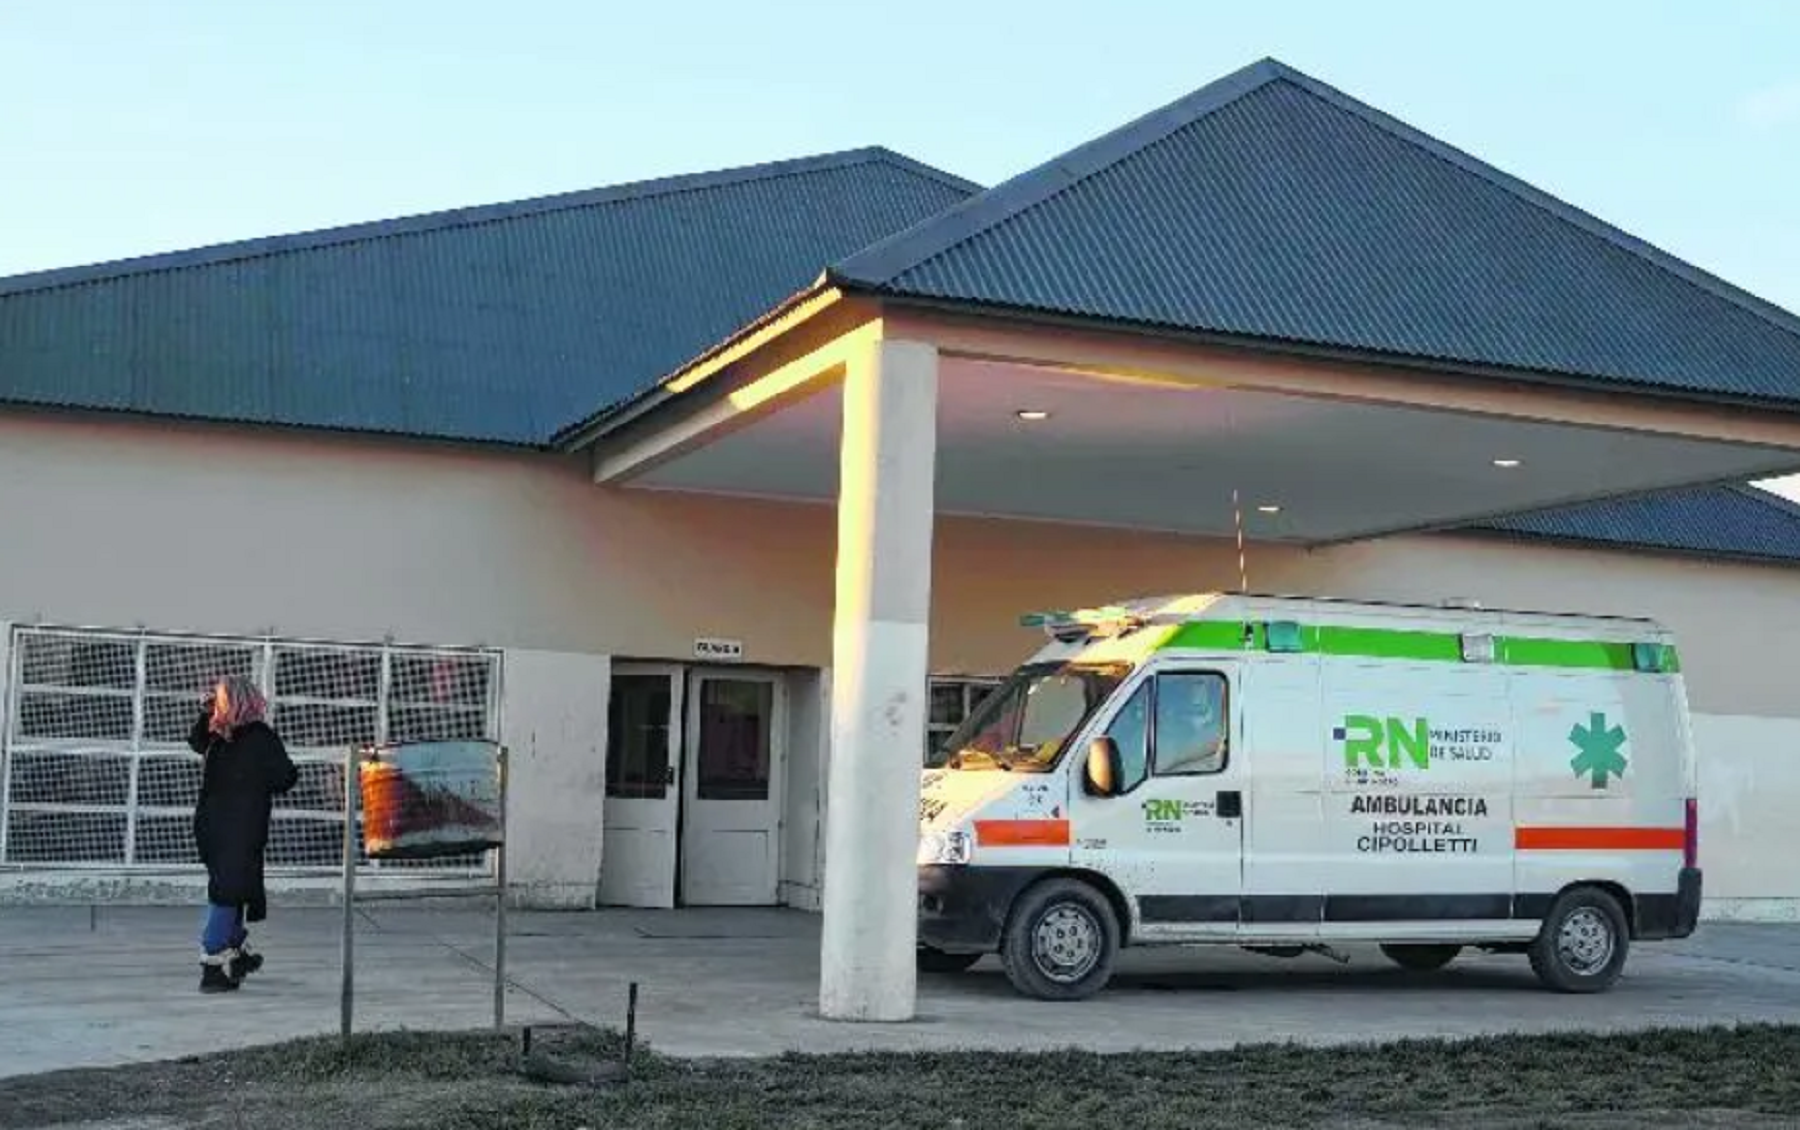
{"x": 1066, "y": 944}
{"x": 1585, "y": 942}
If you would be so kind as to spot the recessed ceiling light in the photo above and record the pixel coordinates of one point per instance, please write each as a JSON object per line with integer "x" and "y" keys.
{"x": 1509, "y": 463}
{"x": 1269, "y": 508}
{"x": 1032, "y": 415}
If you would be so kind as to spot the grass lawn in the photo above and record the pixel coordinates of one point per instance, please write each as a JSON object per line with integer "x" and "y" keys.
{"x": 1748, "y": 1076}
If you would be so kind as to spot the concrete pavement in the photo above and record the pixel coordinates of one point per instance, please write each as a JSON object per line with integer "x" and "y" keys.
{"x": 81, "y": 988}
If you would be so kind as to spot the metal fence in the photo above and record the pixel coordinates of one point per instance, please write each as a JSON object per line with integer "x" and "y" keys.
{"x": 95, "y": 772}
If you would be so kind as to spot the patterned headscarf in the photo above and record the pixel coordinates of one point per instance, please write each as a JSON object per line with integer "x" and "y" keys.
{"x": 244, "y": 704}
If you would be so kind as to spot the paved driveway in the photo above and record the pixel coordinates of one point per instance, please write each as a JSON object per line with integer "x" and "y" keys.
{"x": 119, "y": 985}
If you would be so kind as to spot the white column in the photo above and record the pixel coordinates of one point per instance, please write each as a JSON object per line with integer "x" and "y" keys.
{"x": 879, "y": 666}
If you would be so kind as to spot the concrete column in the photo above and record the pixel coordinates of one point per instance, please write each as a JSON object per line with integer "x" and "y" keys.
{"x": 887, "y": 462}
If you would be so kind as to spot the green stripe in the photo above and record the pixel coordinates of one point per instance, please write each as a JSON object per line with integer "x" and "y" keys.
{"x": 1588, "y": 654}
{"x": 1434, "y": 647}
{"x": 1383, "y": 643}
{"x": 1213, "y": 635}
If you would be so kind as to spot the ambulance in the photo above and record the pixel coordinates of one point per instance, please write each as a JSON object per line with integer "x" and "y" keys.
{"x": 1294, "y": 775}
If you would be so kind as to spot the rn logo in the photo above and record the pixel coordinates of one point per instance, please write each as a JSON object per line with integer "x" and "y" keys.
{"x": 1384, "y": 743}
{"x": 1161, "y": 811}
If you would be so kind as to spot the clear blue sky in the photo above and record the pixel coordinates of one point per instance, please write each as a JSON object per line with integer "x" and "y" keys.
{"x": 134, "y": 126}
{"x": 131, "y": 126}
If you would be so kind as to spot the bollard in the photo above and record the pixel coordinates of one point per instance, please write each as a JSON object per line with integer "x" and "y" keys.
{"x": 631, "y": 999}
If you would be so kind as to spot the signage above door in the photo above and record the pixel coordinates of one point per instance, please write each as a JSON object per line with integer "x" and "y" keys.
{"x": 718, "y": 650}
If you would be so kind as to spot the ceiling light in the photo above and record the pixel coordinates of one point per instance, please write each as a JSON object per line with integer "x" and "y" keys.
{"x": 1508, "y": 463}
{"x": 1032, "y": 415}
{"x": 1269, "y": 508}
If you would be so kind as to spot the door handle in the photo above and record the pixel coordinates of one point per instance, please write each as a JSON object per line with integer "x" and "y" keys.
{"x": 1231, "y": 804}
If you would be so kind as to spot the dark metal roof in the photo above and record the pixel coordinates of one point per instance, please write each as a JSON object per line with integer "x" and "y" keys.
{"x": 1271, "y": 207}
{"x": 492, "y": 324}
{"x": 1266, "y": 205}
{"x": 1744, "y": 522}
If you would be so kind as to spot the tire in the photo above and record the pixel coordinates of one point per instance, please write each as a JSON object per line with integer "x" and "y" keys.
{"x": 1061, "y": 941}
{"x": 1582, "y": 945}
{"x": 1421, "y": 958}
{"x": 942, "y": 961}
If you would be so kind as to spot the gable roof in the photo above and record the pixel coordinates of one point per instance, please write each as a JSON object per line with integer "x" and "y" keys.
{"x": 1733, "y": 521}
{"x": 491, "y": 324}
{"x": 1266, "y": 205}
{"x": 1271, "y": 207}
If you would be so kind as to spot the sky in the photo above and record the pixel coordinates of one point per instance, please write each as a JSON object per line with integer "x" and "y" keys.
{"x": 134, "y": 126}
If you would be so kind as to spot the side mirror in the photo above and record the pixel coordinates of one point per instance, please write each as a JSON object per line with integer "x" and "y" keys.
{"x": 1105, "y": 769}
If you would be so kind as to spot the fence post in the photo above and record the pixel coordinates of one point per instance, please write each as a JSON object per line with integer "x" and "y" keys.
{"x": 347, "y": 990}
{"x": 500, "y": 901}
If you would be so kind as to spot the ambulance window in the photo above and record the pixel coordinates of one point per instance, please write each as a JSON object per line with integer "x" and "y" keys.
{"x": 1190, "y": 723}
{"x": 1130, "y": 731}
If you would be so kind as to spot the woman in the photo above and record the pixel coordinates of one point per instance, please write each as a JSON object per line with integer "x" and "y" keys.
{"x": 246, "y": 766}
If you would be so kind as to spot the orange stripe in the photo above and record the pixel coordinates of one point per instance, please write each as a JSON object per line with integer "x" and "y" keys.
{"x": 1022, "y": 833}
{"x": 1599, "y": 839}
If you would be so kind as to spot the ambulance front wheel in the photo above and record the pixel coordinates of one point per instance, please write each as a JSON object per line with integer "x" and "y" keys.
{"x": 1582, "y": 944}
{"x": 1060, "y": 941}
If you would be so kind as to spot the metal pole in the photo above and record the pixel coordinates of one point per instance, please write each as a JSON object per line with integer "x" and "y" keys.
{"x": 630, "y": 1023}
{"x": 500, "y": 905}
{"x": 347, "y": 991}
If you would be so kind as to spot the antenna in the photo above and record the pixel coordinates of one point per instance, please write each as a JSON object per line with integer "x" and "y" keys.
{"x": 1237, "y": 518}
{"x": 1237, "y": 509}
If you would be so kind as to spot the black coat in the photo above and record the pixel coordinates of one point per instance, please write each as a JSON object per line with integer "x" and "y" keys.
{"x": 231, "y": 821}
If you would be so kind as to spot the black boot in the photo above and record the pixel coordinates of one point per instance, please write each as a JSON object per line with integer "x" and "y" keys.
{"x": 248, "y": 962}
{"x": 218, "y": 973}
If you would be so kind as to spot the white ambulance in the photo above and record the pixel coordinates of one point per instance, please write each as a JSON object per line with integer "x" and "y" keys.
{"x": 1292, "y": 775}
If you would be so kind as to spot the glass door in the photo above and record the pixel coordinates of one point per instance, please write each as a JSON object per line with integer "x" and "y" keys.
{"x": 643, "y": 787}
{"x": 731, "y": 828}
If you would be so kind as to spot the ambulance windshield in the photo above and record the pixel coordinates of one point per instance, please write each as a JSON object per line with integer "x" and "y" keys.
{"x": 1025, "y": 723}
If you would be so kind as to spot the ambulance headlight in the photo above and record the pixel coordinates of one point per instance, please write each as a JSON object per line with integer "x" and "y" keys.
{"x": 945, "y": 847}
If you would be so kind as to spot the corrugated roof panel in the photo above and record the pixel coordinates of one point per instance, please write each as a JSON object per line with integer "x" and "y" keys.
{"x": 498, "y": 324}
{"x": 1726, "y": 521}
{"x": 1271, "y": 206}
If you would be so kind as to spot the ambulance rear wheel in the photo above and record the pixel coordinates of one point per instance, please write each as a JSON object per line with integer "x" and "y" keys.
{"x": 1061, "y": 941}
{"x": 1582, "y": 944}
{"x": 1421, "y": 958}
{"x": 942, "y": 961}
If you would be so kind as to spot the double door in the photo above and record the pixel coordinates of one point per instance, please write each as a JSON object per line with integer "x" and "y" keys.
{"x": 693, "y": 791}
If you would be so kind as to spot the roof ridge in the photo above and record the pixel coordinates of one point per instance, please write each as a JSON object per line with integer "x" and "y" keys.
{"x": 901, "y": 161}
{"x": 421, "y": 223}
{"x": 881, "y": 262}
{"x": 1556, "y": 207}
{"x": 885, "y": 259}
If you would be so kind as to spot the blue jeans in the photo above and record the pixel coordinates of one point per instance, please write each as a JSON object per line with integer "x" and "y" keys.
{"x": 224, "y": 929}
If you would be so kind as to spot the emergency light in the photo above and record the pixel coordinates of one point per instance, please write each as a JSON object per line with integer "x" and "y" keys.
{"x": 1477, "y": 648}
{"x": 1086, "y": 623}
{"x": 1282, "y": 635}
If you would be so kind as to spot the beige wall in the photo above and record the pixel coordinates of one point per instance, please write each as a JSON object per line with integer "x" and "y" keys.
{"x": 1749, "y": 773}
{"x": 186, "y": 528}
{"x": 553, "y": 720}
{"x": 116, "y": 524}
